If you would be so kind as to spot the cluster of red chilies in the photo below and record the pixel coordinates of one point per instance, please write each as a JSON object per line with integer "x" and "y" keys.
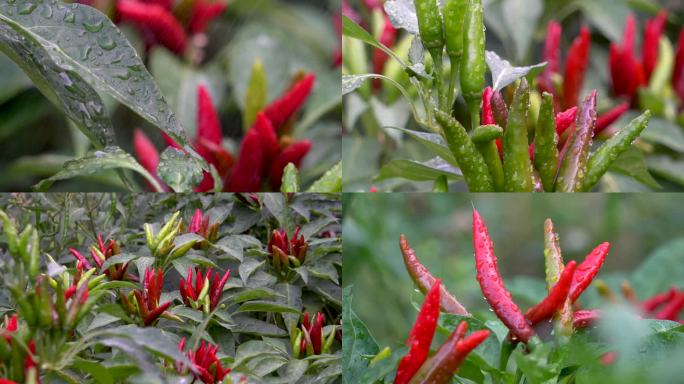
{"x": 200, "y": 224}
{"x": 30, "y": 367}
{"x": 100, "y": 254}
{"x": 162, "y": 23}
{"x": 566, "y": 87}
{"x": 439, "y": 368}
{"x": 206, "y": 365}
{"x": 311, "y": 336}
{"x": 264, "y": 152}
{"x": 572, "y": 281}
{"x": 281, "y": 248}
{"x": 147, "y": 299}
{"x": 206, "y": 291}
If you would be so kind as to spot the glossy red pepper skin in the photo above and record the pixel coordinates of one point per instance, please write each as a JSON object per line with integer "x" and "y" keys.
{"x": 575, "y": 67}
{"x": 487, "y": 113}
{"x": 421, "y": 335}
{"x": 492, "y": 285}
{"x": 652, "y": 33}
{"x": 650, "y": 304}
{"x": 587, "y": 270}
{"x": 555, "y": 300}
{"x": 156, "y": 19}
{"x": 605, "y": 120}
{"x": 279, "y": 111}
{"x": 293, "y": 153}
{"x": 203, "y": 12}
{"x": 552, "y": 55}
{"x": 585, "y": 318}
{"x": 257, "y": 149}
{"x": 422, "y": 277}
{"x": 678, "y": 72}
{"x": 672, "y": 309}
{"x": 565, "y": 119}
{"x": 626, "y": 71}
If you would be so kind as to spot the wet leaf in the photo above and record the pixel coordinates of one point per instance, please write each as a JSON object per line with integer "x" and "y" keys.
{"x": 178, "y": 170}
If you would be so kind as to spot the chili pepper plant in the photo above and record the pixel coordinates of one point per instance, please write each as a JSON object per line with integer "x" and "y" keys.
{"x": 556, "y": 337}
{"x": 436, "y": 100}
{"x": 201, "y": 95}
{"x": 174, "y": 288}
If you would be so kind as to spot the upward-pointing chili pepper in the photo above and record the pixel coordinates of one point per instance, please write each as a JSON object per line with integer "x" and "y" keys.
{"x": 430, "y": 27}
{"x": 575, "y": 68}
{"x": 473, "y": 65}
{"x": 576, "y": 151}
{"x": 424, "y": 279}
{"x": 546, "y": 143}
{"x": 487, "y": 113}
{"x": 552, "y": 55}
{"x": 587, "y": 270}
{"x": 440, "y": 368}
{"x": 556, "y": 298}
{"x": 649, "y": 51}
{"x": 602, "y": 158}
{"x": 517, "y": 164}
{"x": 279, "y": 111}
{"x": 492, "y": 285}
{"x": 626, "y": 71}
{"x": 420, "y": 337}
{"x": 678, "y": 72}
{"x": 553, "y": 262}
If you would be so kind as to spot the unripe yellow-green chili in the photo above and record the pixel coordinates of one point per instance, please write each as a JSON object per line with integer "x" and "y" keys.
{"x": 546, "y": 143}
{"x": 484, "y": 138}
{"x": 517, "y": 163}
{"x": 600, "y": 161}
{"x": 473, "y": 65}
{"x": 432, "y": 35}
{"x": 469, "y": 159}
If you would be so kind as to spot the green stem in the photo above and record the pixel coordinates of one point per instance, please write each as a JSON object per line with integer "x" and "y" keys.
{"x": 453, "y": 77}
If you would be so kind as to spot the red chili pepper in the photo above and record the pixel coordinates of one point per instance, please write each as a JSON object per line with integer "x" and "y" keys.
{"x": 649, "y": 51}
{"x": 575, "y": 67}
{"x": 565, "y": 119}
{"x": 552, "y": 54}
{"x": 279, "y": 111}
{"x": 605, "y": 120}
{"x": 608, "y": 358}
{"x": 148, "y": 298}
{"x": 156, "y": 20}
{"x": 251, "y": 162}
{"x": 487, "y": 114}
{"x": 650, "y": 304}
{"x": 584, "y": 318}
{"x": 556, "y": 298}
{"x": 422, "y": 277}
{"x": 420, "y": 337}
{"x": 206, "y": 365}
{"x": 492, "y": 285}
{"x": 208, "y": 124}
{"x": 678, "y": 73}
{"x": 147, "y": 154}
{"x": 587, "y": 270}
{"x": 187, "y": 290}
{"x": 203, "y": 12}
{"x": 626, "y": 71}
{"x": 388, "y": 37}
{"x": 293, "y": 153}
{"x": 372, "y": 5}
{"x": 671, "y": 310}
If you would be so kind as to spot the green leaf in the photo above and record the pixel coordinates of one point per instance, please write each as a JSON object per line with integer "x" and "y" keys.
{"x": 64, "y": 87}
{"x": 503, "y": 73}
{"x": 96, "y": 161}
{"x": 633, "y": 163}
{"x": 290, "y": 179}
{"x": 521, "y": 17}
{"x": 95, "y": 369}
{"x": 330, "y": 182}
{"x": 661, "y": 131}
{"x": 82, "y": 38}
{"x": 660, "y": 270}
{"x": 667, "y": 168}
{"x": 266, "y": 306}
{"x": 359, "y": 345}
{"x": 351, "y": 29}
{"x": 418, "y": 171}
{"x": 608, "y": 16}
{"x": 434, "y": 142}
{"x": 178, "y": 170}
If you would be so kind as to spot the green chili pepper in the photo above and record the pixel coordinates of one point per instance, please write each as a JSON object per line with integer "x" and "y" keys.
{"x": 430, "y": 26}
{"x": 473, "y": 65}
{"x": 469, "y": 159}
{"x": 454, "y": 14}
{"x": 168, "y": 227}
{"x": 441, "y": 184}
{"x": 546, "y": 144}
{"x": 576, "y": 151}
{"x": 485, "y": 137}
{"x": 296, "y": 345}
{"x": 517, "y": 165}
{"x": 608, "y": 152}
{"x": 553, "y": 261}
{"x": 10, "y": 232}
{"x": 34, "y": 255}
{"x": 329, "y": 340}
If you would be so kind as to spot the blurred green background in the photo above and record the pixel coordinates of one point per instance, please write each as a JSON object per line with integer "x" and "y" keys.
{"x": 438, "y": 227}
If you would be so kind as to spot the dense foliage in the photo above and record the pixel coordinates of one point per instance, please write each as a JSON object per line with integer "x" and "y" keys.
{"x": 170, "y": 288}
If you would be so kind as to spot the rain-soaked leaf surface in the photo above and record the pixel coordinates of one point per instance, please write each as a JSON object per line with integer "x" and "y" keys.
{"x": 178, "y": 170}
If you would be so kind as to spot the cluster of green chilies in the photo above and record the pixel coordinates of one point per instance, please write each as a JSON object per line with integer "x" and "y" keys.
{"x": 565, "y": 284}
{"x": 550, "y": 165}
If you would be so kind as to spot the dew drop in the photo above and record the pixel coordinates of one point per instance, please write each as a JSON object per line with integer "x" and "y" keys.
{"x": 94, "y": 27}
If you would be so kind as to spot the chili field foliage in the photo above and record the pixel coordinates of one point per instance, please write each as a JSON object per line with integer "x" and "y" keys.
{"x": 203, "y": 95}
{"x": 170, "y": 288}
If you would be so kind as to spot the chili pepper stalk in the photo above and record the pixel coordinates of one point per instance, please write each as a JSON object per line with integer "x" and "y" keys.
{"x": 517, "y": 164}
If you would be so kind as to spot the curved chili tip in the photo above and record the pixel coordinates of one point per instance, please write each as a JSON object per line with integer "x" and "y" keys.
{"x": 420, "y": 337}
{"x": 585, "y": 318}
{"x": 556, "y": 298}
{"x": 652, "y": 303}
{"x": 422, "y": 277}
{"x": 671, "y": 310}
{"x": 587, "y": 270}
{"x": 492, "y": 285}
